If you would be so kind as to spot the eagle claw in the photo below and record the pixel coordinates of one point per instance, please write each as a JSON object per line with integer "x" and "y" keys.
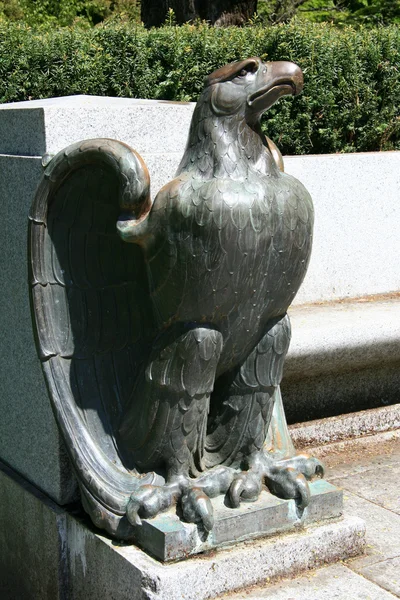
{"x": 147, "y": 502}
{"x": 288, "y": 478}
{"x": 247, "y": 486}
{"x": 197, "y": 507}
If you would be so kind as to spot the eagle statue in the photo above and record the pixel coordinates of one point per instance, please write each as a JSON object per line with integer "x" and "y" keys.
{"x": 162, "y": 326}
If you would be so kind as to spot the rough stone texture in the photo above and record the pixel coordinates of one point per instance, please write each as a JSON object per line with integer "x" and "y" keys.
{"x": 345, "y": 427}
{"x": 357, "y": 208}
{"x": 150, "y": 126}
{"x": 48, "y": 554}
{"x": 168, "y": 538}
{"x": 247, "y": 564}
{"x": 29, "y": 440}
{"x": 336, "y": 581}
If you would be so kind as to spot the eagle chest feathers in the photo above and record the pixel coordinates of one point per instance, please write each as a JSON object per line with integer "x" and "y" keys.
{"x": 233, "y": 252}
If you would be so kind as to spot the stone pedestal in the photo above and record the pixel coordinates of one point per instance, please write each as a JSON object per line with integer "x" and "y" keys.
{"x": 48, "y": 554}
{"x": 167, "y": 538}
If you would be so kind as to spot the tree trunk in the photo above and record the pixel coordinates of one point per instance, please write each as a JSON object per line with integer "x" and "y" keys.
{"x": 217, "y": 12}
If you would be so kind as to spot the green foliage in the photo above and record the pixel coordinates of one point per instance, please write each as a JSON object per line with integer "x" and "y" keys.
{"x": 352, "y": 81}
{"x": 91, "y": 12}
{"x": 67, "y": 12}
{"x": 336, "y": 11}
{"x": 382, "y": 11}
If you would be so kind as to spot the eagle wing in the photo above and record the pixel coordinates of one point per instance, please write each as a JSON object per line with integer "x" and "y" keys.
{"x": 91, "y": 310}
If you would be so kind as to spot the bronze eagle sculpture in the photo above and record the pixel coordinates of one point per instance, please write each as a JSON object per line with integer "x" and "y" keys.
{"x": 163, "y": 356}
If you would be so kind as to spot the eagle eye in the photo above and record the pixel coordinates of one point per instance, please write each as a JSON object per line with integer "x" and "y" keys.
{"x": 250, "y": 68}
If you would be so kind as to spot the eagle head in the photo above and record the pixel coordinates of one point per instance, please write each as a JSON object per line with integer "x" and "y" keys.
{"x": 249, "y": 87}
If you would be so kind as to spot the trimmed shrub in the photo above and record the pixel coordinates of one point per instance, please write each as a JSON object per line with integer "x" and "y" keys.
{"x": 351, "y": 95}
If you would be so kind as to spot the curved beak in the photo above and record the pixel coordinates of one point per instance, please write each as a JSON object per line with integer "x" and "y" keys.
{"x": 274, "y": 80}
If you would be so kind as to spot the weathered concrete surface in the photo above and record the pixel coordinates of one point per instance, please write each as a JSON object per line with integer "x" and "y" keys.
{"x": 386, "y": 574}
{"x": 386, "y": 490}
{"x": 46, "y": 553}
{"x": 336, "y": 581}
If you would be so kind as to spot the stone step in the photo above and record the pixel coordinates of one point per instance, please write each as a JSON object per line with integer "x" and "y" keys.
{"x": 344, "y": 357}
{"x": 346, "y": 428}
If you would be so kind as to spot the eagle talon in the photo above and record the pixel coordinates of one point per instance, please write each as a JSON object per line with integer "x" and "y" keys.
{"x": 197, "y": 507}
{"x": 245, "y": 486}
{"x": 289, "y": 484}
{"x": 147, "y": 502}
{"x": 309, "y": 466}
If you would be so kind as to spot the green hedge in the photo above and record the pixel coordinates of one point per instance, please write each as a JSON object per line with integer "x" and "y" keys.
{"x": 352, "y": 77}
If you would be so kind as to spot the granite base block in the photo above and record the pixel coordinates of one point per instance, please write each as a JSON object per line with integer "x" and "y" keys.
{"x": 167, "y": 538}
{"x": 29, "y": 439}
{"x": 48, "y": 554}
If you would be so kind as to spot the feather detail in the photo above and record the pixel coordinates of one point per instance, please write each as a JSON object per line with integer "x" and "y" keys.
{"x": 81, "y": 272}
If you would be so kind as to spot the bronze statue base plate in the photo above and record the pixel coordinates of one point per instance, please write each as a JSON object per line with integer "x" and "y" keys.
{"x": 167, "y": 538}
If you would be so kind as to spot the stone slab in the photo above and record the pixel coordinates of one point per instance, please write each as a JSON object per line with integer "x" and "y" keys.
{"x": 342, "y": 264}
{"x": 357, "y": 208}
{"x": 383, "y": 530}
{"x": 363, "y": 470}
{"x": 328, "y": 394}
{"x": 336, "y": 581}
{"x": 345, "y": 336}
{"x": 379, "y": 567}
{"x": 36, "y": 127}
{"x": 234, "y": 568}
{"x": 386, "y": 574}
{"x": 167, "y": 538}
{"x": 29, "y": 439}
{"x": 343, "y": 357}
{"x": 360, "y": 455}
{"x": 385, "y": 490}
{"x": 78, "y": 563}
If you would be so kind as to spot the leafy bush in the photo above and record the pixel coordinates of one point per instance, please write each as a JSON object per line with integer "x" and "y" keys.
{"x": 352, "y": 81}
{"x": 368, "y": 12}
{"x": 67, "y": 12}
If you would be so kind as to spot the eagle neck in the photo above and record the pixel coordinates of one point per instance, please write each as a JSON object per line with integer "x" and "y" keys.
{"x": 225, "y": 147}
